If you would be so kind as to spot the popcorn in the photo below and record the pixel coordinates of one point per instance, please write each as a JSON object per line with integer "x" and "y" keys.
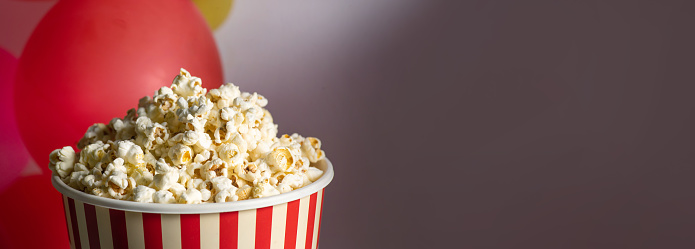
{"x": 94, "y": 153}
{"x": 191, "y": 196}
{"x": 131, "y": 153}
{"x": 231, "y": 154}
{"x": 264, "y": 189}
{"x": 280, "y": 159}
{"x": 163, "y": 196}
{"x": 186, "y": 144}
{"x": 96, "y": 132}
{"x": 213, "y": 168}
{"x": 311, "y": 146}
{"x": 314, "y": 173}
{"x": 143, "y": 194}
{"x": 166, "y": 180}
{"x": 180, "y": 154}
{"x": 62, "y": 161}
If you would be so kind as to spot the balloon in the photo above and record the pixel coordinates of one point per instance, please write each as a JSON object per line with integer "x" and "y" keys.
{"x": 32, "y": 215}
{"x": 90, "y": 61}
{"x": 13, "y": 154}
{"x": 214, "y": 11}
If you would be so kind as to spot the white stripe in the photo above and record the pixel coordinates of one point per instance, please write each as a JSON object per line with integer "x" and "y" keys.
{"x": 319, "y": 196}
{"x": 302, "y": 223}
{"x": 171, "y": 231}
{"x": 136, "y": 231}
{"x": 210, "y": 230}
{"x": 277, "y": 234}
{"x": 247, "y": 229}
{"x": 68, "y": 220}
{"x": 82, "y": 224}
{"x": 104, "y": 224}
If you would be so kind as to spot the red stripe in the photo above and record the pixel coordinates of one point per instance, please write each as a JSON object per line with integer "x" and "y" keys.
{"x": 229, "y": 230}
{"x": 318, "y": 234}
{"x": 90, "y": 213}
{"x": 190, "y": 231}
{"x": 264, "y": 225}
{"x": 310, "y": 222}
{"x": 292, "y": 222}
{"x": 119, "y": 233}
{"x": 73, "y": 220}
{"x": 152, "y": 225}
{"x": 66, "y": 218}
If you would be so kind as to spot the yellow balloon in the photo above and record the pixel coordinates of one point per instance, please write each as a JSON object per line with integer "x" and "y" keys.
{"x": 214, "y": 11}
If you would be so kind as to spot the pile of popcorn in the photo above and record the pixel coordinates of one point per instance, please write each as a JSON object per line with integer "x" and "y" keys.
{"x": 190, "y": 145}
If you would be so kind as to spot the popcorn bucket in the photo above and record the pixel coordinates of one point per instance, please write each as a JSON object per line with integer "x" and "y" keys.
{"x": 289, "y": 220}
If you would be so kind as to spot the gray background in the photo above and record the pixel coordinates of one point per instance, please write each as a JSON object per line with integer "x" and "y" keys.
{"x": 484, "y": 124}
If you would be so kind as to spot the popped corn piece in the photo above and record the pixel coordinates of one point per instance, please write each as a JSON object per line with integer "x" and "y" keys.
{"x": 239, "y": 182}
{"x": 260, "y": 151}
{"x": 213, "y": 168}
{"x": 204, "y": 142}
{"x": 99, "y": 192}
{"x": 222, "y": 134}
{"x": 186, "y": 85}
{"x": 123, "y": 130}
{"x": 76, "y": 180}
{"x": 311, "y": 147}
{"x": 260, "y": 100}
{"x": 231, "y": 154}
{"x": 180, "y": 154}
{"x": 202, "y": 156}
{"x": 142, "y": 176}
{"x": 165, "y": 180}
{"x": 164, "y": 99}
{"x": 130, "y": 152}
{"x": 154, "y": 135}
{"x": 142, "y": 123}
{"x": 191, "y": 196}
{"x": 177, "y": 189}
{"x": 221, "y": 183}
{"x": 196, "y": 182}
{"x": 205, "y": 195}
{"x": 293, "y": 180}
{"x": 94, "y": 153}
{"x": 62, "y": 161}
{"x": 249, "y": 171}
{"x": 226, "y": 196}
{"x": 95, "y": 132}
{"x": 163, "y": 196}
{"x": 264, "y": 189}
{"x": 117, "y": 184}
{"x": 90, "y": 182}
{"x": 229, "y": 91}
{"x": 280, "y": 159}
{"x": 314, "y": 173}
{"x": 244, "y": 192}
{"x": 190, "y": 138}
{"x": 284, "y": 188}
{"x": 115, "y": 167}
{"x": 143, "y": 194}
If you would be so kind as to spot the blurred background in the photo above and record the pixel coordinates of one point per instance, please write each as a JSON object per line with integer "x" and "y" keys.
{"x": 451, "y": 124}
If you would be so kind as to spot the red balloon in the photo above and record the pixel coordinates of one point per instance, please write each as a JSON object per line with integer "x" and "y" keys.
{"x": 32, "y": 215}
{"x": 89, "y": 61}
{"x": 13, "y": 154}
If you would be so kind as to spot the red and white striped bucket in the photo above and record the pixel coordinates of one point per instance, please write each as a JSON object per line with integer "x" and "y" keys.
{"x": 290, "y": 220}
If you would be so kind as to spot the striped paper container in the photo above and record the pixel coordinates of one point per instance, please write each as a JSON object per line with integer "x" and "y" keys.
{"x": 289, "y": 220}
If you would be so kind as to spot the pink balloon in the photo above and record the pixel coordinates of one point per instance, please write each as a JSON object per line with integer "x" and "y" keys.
{"x": 89, "y": 61}
{"x": 13, "y": 154}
